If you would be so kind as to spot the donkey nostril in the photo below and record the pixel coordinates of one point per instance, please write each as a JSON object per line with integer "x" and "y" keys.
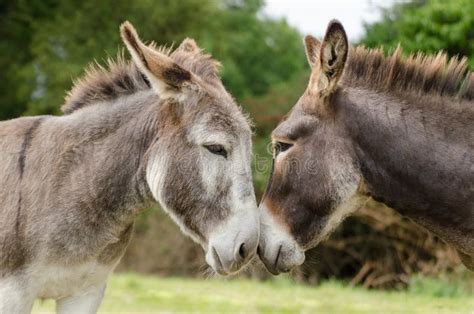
{"x": 242, "y": 251}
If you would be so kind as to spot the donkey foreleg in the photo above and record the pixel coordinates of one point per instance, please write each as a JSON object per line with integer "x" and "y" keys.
{"x": 15, "y": 297}
{"x": 86, "y": 303}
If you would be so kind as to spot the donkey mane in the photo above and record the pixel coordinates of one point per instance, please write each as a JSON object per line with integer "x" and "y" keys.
{"x": 121, "y": 77}
{"x": 419, "y": 73}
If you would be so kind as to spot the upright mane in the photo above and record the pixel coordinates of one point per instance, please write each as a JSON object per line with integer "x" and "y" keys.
{"x": 121, "y": 77}
{"x": 419, "y": 73}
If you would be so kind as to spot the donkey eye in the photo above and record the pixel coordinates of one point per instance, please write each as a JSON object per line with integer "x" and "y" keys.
{"x": 280, "y": 147}
{"x": 217, "y": 149}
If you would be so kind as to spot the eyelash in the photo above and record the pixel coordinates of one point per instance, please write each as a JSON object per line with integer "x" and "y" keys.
{"x": 279, "y": 147}
{"x": 217, "y": 149}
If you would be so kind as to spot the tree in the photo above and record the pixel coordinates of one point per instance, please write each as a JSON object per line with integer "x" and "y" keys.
{"x": 17, "y": 73}
{"x": 427, "y": 25}
{"x": 46, "y": 44}
{"x": 79, "y": 32}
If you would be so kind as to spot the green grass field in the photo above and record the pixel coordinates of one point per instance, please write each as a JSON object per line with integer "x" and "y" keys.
{"x": 131, "y": 293}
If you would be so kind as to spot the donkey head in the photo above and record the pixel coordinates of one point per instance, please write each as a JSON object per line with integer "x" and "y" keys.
{"x": 198, "y": 167}
{"x": 313, "y": 176}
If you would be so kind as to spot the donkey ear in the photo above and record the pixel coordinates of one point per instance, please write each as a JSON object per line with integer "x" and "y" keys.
{"x": 189, "y": 45}
{"x": 165, "y": 76}
{"x": 332, "y": 57}
{"x": 312, "y": 46}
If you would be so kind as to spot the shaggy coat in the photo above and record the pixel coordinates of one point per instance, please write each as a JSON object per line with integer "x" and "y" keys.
{"x": 161, "y": 128}
{"x": 399, "y": 130}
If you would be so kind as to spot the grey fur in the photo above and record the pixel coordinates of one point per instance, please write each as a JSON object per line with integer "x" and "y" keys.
{"x": 72, "y": 185}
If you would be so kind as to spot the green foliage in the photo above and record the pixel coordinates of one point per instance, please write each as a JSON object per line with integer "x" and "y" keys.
{"x": 80, "y": 31}
{"x": 17, "y": 71}
{"x": 426, "y": 25}
{"x": 46, "y": 44}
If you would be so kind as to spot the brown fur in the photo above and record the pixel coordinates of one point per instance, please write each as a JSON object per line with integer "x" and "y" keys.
{"x": 400, "y": 127}
{"x": 418, "y": 73}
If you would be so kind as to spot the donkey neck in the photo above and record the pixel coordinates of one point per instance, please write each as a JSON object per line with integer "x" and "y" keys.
{"x": 110, "y": 144}
{"x": 415, "y": 154}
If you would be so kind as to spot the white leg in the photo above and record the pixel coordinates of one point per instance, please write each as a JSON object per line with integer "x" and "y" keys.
{"x": 86, "y": 303}
{"x": 15, "y": 297}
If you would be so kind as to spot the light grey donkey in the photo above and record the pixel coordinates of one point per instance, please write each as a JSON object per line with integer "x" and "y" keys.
{"x": 159, "y": 129}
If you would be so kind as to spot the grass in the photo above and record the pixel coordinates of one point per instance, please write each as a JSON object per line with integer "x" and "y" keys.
{"x": 132, "y": 293}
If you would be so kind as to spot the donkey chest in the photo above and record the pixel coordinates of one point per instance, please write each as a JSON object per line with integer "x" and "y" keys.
{"x": 83, "y": 243}
{"x": 78, "y": 271}
{"x": 56, "y": 282}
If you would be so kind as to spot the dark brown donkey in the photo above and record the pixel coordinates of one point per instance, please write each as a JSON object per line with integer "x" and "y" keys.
{"x": 161, "y": 128}
{"x": 398, "y": 130}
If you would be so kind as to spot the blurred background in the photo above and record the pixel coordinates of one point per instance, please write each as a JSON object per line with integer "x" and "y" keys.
{"x": 46, "y": 44}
